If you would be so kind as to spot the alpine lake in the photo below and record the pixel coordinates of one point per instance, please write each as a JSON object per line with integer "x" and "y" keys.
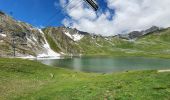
{"x": 108, "y": 64}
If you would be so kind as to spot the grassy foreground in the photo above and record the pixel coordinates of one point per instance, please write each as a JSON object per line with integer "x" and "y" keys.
{"x": 31, "y": 80}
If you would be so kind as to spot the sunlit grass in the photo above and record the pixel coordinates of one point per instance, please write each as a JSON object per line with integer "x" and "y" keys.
{"x": 31, "y": 80}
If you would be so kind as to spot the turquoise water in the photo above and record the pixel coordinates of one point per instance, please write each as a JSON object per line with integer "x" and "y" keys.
{"x": 107, "y": 65}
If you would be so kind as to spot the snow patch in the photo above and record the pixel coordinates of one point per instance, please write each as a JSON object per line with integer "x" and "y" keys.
{"x": 40, "y": 31}
{"x": 49, "y": 52}
{"x": 1, "y": 41}
{"x": 62, "y": 53}
{"x": 28, "y": 57}
{"x": 3, "y": 35}
{"x": 34, "y": 39}
{"x": 30, "y": 41}
{"x": 111, "y": 43}
{"x": 93, "y": 38}
{"x": 75, "y": 37}
{"x": 107, "y": 39}
{"x": 99, "y": 45}
{"x": 68, "y": 34}
{"x": 32, "y": 28}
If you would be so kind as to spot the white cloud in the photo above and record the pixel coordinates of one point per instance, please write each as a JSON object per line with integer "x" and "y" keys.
{"x": 129, "y": 15}
{"x": 63, "y": 2}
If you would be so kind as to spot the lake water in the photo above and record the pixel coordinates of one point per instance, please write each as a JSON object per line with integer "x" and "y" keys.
{"x": 108, "y": 64}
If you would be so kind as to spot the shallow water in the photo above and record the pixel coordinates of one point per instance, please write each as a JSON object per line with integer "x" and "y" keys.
{"x": 108, "y": 64}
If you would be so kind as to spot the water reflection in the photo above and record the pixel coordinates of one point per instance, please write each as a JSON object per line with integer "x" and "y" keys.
{"x": 105, "y": 65}
{"x": 77, "y": 63}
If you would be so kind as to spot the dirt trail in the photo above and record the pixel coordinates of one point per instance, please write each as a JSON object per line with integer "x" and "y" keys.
{"x": 161, "y": 71}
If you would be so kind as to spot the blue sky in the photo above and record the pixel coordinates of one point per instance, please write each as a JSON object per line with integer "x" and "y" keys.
{"x": 114, "y": 16}
{"x": 37, "y": 12}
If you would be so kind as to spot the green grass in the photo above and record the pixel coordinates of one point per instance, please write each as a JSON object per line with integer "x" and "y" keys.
{"x": 31, "y": 80}
{"x": 153, "y": 45}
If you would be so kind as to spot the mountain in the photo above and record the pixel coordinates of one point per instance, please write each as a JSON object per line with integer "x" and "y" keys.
{"x": 26, "y": 39}
{"x": 74, "y": 42}
{"x": 58, "y": 41}
{"x": 137, "y": 34}
{"x": 64, "y": 40}
{"x": 151, "y": 42}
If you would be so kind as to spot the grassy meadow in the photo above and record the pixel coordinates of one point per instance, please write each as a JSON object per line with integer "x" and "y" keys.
{"x": 31, "y": 80}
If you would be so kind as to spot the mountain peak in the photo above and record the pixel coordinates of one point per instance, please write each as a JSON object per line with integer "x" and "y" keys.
{"x": 2, "y": 13}
{"x": 137, "y": 34}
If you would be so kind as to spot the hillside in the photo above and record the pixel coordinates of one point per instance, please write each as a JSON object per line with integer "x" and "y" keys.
{"x": 26, "y": 39}
{"x": 31, "y": 41}
{"x": 31, "y": 80}
{"x": 153, "y": 42}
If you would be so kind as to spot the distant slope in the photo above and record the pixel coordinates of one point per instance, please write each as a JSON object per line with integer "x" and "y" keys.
{"x": 154, "y": 42}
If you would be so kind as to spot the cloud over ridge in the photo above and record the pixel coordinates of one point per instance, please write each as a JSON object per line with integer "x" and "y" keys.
{"x": 130, "y": 15}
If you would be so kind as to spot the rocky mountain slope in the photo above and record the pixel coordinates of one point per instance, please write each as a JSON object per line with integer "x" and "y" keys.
{"x": 137, "y": 34}
{"x": 56, "y": 41}
{"x": 74, "y": 42}
{"x": 26, "y": 39}
{"x": 64, "y": 40}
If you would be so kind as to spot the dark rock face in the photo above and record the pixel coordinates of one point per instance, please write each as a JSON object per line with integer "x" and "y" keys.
{"x": 135, "y": 34}
{"x": 152, "y": 29}
{"x": 2, "y": 13}
{"x": 20, "y": 35}
{"x": 123, "y": 36}
{"x": 73, "y": 31}
{"x": 1, "y": 30}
